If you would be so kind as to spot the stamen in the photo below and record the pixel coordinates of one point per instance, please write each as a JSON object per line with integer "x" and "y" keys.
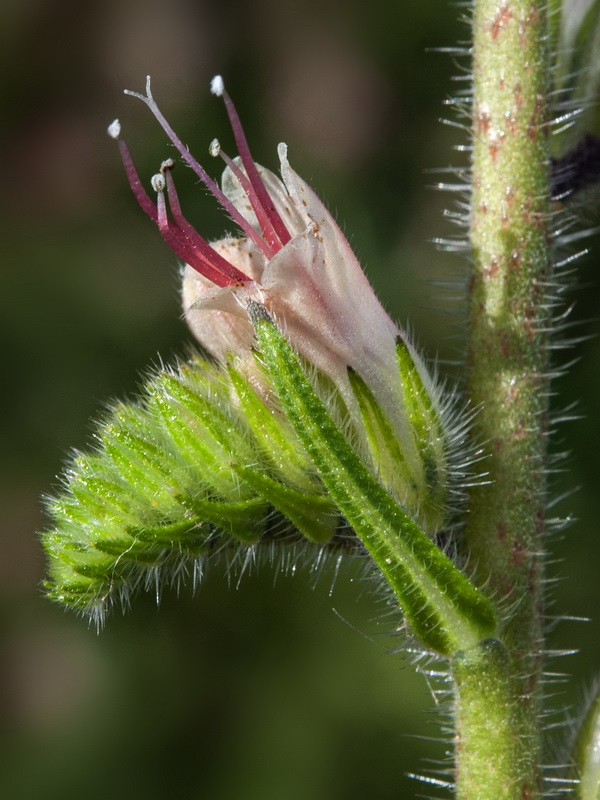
{"x": 140, "y": 194}
{"x": 114, "y": 129}
{"x": 200, "y": 246}
{"x": 177, "y": 240}
{"x": 158, "y": 181}
{"x": 158, "y": 184}
{"x": 212, "y": 187}
{"x": 218, "y": 88}
{"x": 261, "y": 215}
{"x": 193, "y": 249}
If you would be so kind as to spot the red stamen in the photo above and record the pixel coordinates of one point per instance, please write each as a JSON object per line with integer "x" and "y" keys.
{"x": 261, "y": 215}
{"x": 212, "y": 187}
{"x": 193, "y": 249}
{"x": 249, "y": 165}
{"x": 138, "y": 190}
{"x": 200, "y": 246}
{"x": 178, "y": 242}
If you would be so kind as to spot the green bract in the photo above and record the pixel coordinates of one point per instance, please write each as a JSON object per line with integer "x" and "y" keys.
{"x": 198, "y": 465}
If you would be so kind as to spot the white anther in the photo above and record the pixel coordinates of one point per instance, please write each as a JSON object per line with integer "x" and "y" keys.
{"x": 214, "y": 148}
{"x": 168, "y": 163}
{"x": 217, "y": 86}
{"x": 282, "y": 150}
{"x": 114, "y": 129}
{"x": 158, "y": 182}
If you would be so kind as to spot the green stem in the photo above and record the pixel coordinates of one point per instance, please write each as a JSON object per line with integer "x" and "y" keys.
{"x": 508, "y": 379}
{"x": 489, "y": 753}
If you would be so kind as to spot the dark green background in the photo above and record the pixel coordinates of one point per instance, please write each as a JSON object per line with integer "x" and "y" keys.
{"x": 260, "y": 691}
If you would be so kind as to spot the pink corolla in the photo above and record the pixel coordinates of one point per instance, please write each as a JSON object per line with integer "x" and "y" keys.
{"x": 292, "y": 257}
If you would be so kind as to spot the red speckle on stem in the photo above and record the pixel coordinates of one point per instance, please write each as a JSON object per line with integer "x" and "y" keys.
{"x": 518, "y": 554}
{"x": 483, "y": 122}
{"x": 503, "y": 16}
{"x": 518, "y": 95}
{"x": 490, "y": 270}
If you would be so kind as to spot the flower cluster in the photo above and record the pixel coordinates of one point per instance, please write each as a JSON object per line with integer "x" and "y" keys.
{"x": 292, "y": 257}
{"x": 314, "y": 428}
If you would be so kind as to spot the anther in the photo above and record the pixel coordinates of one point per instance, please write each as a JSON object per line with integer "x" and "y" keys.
{"x": 158, "y": 182}
{"x": 114, "y": 129}
{"x": 217, "y": 87}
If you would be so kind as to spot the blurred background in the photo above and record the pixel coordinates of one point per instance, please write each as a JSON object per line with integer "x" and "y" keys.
{"x": 271, "y": 689}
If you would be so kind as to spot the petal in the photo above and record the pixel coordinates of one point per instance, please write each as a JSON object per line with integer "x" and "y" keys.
{"x": 217, "y": 316}
{"x": 322, "y": 301}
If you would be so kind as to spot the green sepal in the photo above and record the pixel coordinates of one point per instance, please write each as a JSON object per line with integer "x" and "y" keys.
{"x": 415, "y": 469}
{"x": 389, "y": 462}
{"x": 173, "y": 480}
{"x": 180, "y": 533}
{"x": 586, "y": 752}
{"x": 146, "y": 466}
{"x": 444, "y": 609}
{"x": 204, "y": 436}
{"x": 244, "y": 519}
{"x": 314, "y": 515}
{"x": 276, "y": 438}
{"x": 429, "y": 434}
{"x": 94, "y": 496}
{"x": 189, "y": 536}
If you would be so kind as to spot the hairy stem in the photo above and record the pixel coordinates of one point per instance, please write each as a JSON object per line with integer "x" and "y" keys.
{"x": 508, "y": 379}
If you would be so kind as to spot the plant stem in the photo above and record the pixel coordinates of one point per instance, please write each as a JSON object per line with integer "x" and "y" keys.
{"x": 508, "y": 380}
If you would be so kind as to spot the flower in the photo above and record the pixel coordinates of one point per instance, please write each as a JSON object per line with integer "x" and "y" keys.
{"x": 292, "y": 257}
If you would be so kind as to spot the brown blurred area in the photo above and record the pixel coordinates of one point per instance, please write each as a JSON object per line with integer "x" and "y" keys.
{"x": 261, "y": 690}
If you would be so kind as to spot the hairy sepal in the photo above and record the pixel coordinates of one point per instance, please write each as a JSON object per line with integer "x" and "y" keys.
{"x": 414, "y": 469}
{"x": 444, "y": 609}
